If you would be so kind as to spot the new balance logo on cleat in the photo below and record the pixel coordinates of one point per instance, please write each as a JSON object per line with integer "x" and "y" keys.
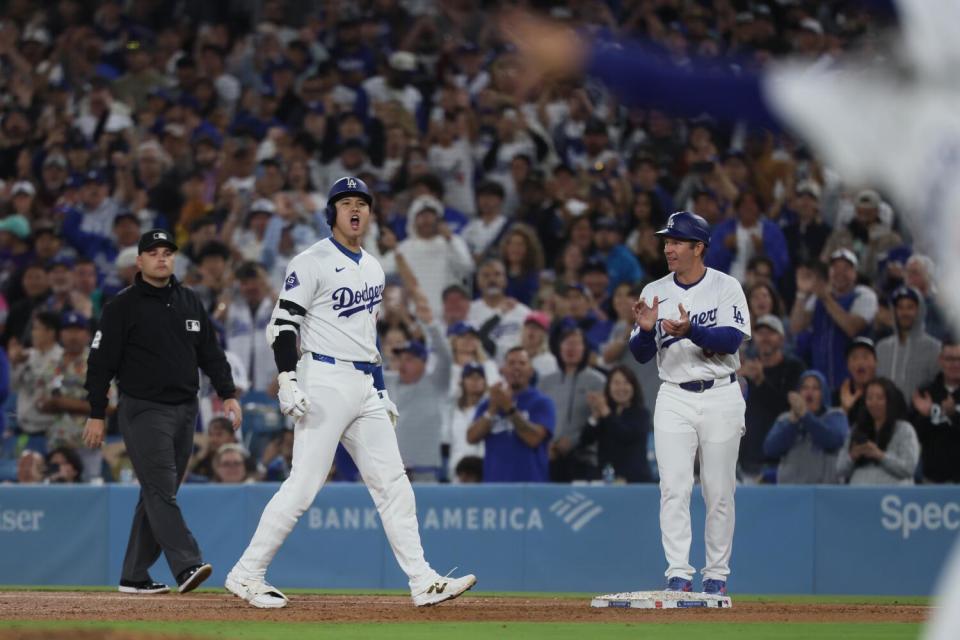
{"x": 443, "y": 589}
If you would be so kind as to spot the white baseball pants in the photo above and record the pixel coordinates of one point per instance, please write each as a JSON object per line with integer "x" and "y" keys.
{"x": 344, "y": 406}
{"x": 713, "y": 422}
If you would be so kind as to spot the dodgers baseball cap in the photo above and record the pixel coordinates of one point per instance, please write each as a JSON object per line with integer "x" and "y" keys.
{"x": 771, "y": 322}
{"x": 473, "y": 367}
{"x": 862, "y": 342}
{"x": 845, "y": 254}
{"x": 74, "y": 320}
{"x": 461, "y": 328}
{"x": 414, "y": 348}
{"x": 156, "y": 238}
{"x": 905, "y": 292}
{"x": 93, "y": 176}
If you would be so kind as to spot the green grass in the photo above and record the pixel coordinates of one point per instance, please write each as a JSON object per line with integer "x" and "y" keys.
{"x": 483, "y": 630}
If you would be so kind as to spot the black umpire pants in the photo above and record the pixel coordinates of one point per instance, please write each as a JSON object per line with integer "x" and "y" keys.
{"x": 159, "y": 440}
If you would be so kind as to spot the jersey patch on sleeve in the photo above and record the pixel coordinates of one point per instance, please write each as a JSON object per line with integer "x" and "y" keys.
{"x": 291, "y": 282}
{"x": 96, "y": 340}
{"x": 738, "y": 316}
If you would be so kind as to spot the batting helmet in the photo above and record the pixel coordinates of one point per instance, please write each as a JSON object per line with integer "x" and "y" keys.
{"x": 346, "y": 186}
{"x": 684, "y": 225}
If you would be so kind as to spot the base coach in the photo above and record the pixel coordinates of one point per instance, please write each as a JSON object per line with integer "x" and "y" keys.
{"x": 153, "y": 337}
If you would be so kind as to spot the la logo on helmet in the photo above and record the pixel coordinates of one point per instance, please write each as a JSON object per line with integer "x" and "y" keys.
{"x": 671, "y": 221}
{"x": 351, "y": 183}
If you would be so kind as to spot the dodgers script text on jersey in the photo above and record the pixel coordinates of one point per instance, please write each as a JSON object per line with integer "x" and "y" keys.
{"x": 717, "y": 300}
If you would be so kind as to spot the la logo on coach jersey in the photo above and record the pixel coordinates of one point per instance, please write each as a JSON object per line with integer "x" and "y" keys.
{"x": 193, "y": 326}
{"x": 737, "y": 315}
{"x": 291, "y": 282}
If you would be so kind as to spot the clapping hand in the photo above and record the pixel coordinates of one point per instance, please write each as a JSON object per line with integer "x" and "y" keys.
{"x": 644, "y": 316}
{"x": 798, "y": 406}
{"x": 598, "y": 404}
{"x": 870, "y": 450}
{"x": 806, "y": 280}
{"x": 922, "y": 402}
{"x": 678, "y": 328}
{"x": 847, "y": 395}
{"x": 500, "y": 399}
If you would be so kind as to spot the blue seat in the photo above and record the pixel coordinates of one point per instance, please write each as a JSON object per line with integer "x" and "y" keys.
{"x": 261, "y": 420}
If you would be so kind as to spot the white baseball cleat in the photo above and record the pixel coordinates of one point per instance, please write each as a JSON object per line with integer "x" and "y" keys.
{"x": 443, "y": 589}
{"x": 258, "y": 593}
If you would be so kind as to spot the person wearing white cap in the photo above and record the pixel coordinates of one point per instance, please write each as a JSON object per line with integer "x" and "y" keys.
{"x": 249, "y": 238}
{"x": 394, "y": 83}
{"x": 807, "y": 233}
{"x": 835, "y": 311}
{"x": 22, "y": 196}
{"x": 436, "y": 256}
{"x": 868, "y": 234}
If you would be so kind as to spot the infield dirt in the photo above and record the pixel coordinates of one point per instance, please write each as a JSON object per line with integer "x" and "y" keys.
{"x": 100, "y": 606}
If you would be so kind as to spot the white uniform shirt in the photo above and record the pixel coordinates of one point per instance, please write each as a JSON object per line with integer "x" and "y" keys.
{"x": 865, "y": 303}
{"x": 341, "y": 297}
{"x": 379, "y": 90}
{"x": 506, "y": 334}
{"x": 717, "y": 300}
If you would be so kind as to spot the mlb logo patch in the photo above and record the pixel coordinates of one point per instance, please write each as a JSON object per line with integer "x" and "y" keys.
{"x": 291, "y": 282}
{"x": 160, "y": 236}
{"x": 193, "y": 326}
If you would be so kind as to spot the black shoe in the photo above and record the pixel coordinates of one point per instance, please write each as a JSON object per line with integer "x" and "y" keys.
{"x": 144, "y": 587}
{"x": 190, "y": 579}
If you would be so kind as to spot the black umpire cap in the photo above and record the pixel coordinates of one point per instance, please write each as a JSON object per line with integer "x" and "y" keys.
{"x": 156, "y": 238}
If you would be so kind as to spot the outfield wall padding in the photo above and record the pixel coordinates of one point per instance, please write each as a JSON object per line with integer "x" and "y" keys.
{"x": 802, "y": 540}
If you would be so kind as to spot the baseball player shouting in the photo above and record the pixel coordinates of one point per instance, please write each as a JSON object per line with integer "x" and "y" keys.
{"x": 335, "y": 392}
{"x": 694, "y": 323}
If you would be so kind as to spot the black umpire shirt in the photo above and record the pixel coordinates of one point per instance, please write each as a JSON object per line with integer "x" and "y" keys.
{"x": 153, "y": 340}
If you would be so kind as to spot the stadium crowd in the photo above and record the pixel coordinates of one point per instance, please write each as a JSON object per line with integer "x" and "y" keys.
{"x": 516, "y": 229}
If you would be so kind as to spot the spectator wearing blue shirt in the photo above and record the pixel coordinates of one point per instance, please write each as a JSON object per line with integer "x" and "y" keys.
{"x": 515, "y": 424}
{"x": 622, "y": 265}
{"x": 828, "y": 314}
{"x": 522, "y": 256}
{"x": 734, "y": 242}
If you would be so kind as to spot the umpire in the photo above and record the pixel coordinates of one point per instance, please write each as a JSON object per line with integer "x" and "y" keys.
{"x": 153, "y": 336}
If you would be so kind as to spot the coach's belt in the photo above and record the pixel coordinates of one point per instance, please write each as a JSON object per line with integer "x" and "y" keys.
{"x": 699, "y": 386}
{"x": 366, "y": 367}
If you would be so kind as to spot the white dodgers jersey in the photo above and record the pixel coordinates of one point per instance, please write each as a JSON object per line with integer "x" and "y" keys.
{"x": 341, "y": 295}
{"x": 717, "y": 300}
